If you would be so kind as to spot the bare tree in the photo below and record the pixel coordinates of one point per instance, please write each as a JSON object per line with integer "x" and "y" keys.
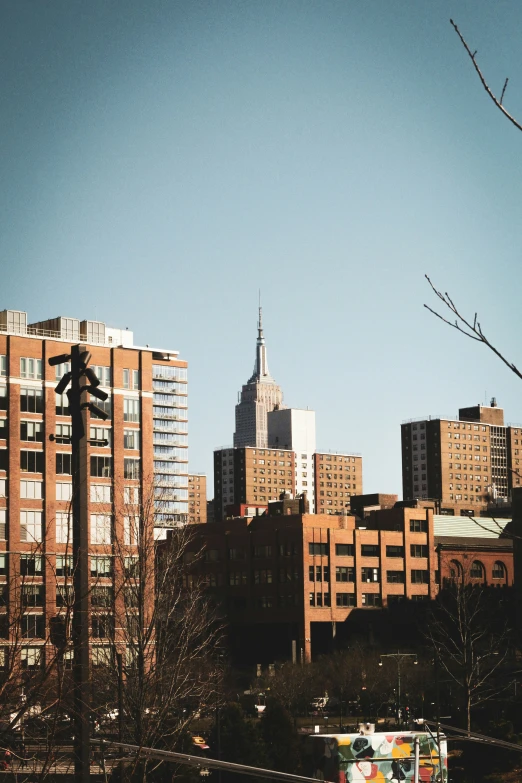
{"x": 497, "y": 101}
{"x": 470, "y": 641}
{"x": 161, "y": 623}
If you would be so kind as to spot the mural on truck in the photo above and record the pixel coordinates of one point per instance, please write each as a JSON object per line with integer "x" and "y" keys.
{"x": 376, "y": 758}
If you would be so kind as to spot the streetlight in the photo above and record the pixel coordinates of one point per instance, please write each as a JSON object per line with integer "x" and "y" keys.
{"x": 399, "y": 659}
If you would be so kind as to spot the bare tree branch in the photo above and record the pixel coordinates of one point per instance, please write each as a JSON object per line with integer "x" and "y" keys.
{"x": 496, "y": 101}
{"x": 471, "y": 330}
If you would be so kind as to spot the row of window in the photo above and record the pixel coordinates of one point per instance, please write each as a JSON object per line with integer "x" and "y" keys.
{"x": 101, "y": 565}
{"x": 33, "y": 432}
{"x": 477, "y": 570}
{"x": 33, "y": 368}
{"x": 32, "y": 401}
{"x": 101, "y": 466}
{"x": 373, "y": 550}
{"x": 32, "y": 529}
{"x": 347, "y": 574}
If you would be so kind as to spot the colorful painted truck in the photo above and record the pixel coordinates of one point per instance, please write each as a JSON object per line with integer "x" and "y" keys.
{"x": 376, "y": 758}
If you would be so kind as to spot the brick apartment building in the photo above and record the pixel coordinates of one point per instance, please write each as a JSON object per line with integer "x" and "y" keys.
{"x": 251, "y": 476}
{"x": 464, "y": 464}
{"x": 289, "y": 583}
{"x": 146, "y": 452}
{"x": 338, "y": 477}
{"x": 197, "y": 498}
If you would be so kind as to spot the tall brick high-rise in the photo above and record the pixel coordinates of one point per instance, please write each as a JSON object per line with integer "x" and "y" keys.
{"x": 145, "y": 453}
{"x": 464, "y": 463}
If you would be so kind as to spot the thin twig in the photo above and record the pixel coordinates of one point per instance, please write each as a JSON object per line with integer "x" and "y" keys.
{"x": 496, "y": 101}
{"x": 471, "y": 330}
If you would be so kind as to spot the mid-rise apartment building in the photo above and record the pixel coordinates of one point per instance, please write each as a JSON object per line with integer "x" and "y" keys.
{"x": 337, "y": 478}
{"x": 257, "y": 398}
{"x": 464, "y": 463}
{"x": 197, "y": 498}
{"x": 138, "y": 453}
{"x": 251, "y": 476}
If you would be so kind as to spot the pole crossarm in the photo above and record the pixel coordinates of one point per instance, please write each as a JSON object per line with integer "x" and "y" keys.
{"x": 199, "y": 761}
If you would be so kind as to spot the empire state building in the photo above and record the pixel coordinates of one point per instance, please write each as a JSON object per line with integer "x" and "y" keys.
{"x": 257, "y": 398}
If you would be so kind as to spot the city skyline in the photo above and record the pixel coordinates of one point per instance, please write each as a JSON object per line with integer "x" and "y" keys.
{"x": 164, "y": 164}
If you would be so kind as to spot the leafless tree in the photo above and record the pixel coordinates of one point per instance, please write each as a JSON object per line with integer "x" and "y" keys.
{"x": 497, "y": 101}
{"x": 471, "y": 641}
{"x": 161, "y": 623}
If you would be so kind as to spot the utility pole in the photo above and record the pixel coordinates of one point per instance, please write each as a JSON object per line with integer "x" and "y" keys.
{"x": 399, "y": 659}
{"x": 79, "y": 359}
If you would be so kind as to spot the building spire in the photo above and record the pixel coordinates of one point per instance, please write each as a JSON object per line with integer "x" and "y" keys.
{"x": 261, "y": 371}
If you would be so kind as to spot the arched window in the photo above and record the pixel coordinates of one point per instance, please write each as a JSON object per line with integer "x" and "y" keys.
{"x": 499, "y": 570}
{"x": 477, "y": 570}
{"x": 455, "y": 570}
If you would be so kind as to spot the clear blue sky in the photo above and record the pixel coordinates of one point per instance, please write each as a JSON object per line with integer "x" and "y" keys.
{"x": 163, "y": 160}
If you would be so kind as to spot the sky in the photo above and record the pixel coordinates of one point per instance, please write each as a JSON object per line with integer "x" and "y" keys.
{"x": 162, "y": 161}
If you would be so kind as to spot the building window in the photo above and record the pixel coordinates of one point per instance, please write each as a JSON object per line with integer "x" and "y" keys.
{"x": 31, "y": 565}
{"x": 131, "y": 468}
{"x": 418, "y": 525}
{"x": 345, "y": 599}
{"x": 103, "y": 374}
{"x": 64, "y": 464}
{"x": 371, "y": 599}
{"x": 344, "y": 574}
{"x": 263, "y": 577}
{"x": 418, "y": 550}
{"x": 63, "y": 527}
{"x": 31, "y": 431}
{"x": 344, "y": 550}
{"x": 31, "y": 490}
{"x": 499, "y": 570}
{"x": 131, "y": 439}
{"x": 101, "y": 566}
{"x": 31, "y": 368}
{"x": 370, "y": 550}
{"x": 102, "y": 596}
{"x": 64, "y": 595}
{"x": 62, "y": 405}
{"x": 370, "y": 574}
{"x": 394, "y": 551}
{"x": 476, "y": 570}
{"x": 419, "y": 577}
{"x": 33, "y": 595}
{"x": 395, "y": 577}
{"x": 64, "y": 565}
{"x": 102, "y": 626}
{"x": 131, "y": 379}
{"x": 64, "y": 491}
{"x": 31, "y": 658}
{"x": 3, "y": 524}
{"x": 31, "y": 526}
{"x": 31, "y": 400}
{"x": 131, "y": 409}
{"x": 101, "y": 434}
{"x": 63, "y": 433}
{"x": 131, "y": 530}
{"x": 101, "y": 493}
{"x": 263, "y": 551}
{"x": 3, "y": 365}
{"x": 317, "y": 549}
{"x": 101, "y": 528}
{"x": 104, "y": 405}
{"x": 101, "y": 467}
